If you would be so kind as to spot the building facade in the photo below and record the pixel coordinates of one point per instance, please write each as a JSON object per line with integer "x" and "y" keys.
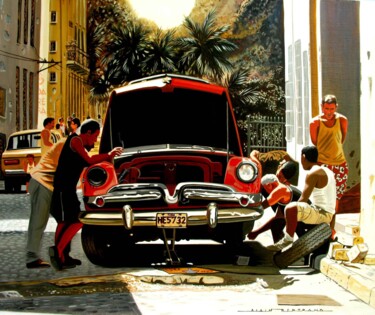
{"x": 67, "y": 92}
{"x": 19, "y": 64}
{"x": 329, "y": 49}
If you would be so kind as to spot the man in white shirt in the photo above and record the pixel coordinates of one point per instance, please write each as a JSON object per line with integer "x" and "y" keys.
{"x": 46, "y": 135}
{"x": 320, "y": 188}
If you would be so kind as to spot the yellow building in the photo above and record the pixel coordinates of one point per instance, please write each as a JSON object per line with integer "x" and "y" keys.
{"x": 67, "y": 92}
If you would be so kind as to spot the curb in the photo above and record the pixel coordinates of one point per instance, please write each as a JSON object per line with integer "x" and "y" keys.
{"x": 358, "y": 279}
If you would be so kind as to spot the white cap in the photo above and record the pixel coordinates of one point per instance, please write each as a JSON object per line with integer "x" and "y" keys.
{"x": 269, "y": 178}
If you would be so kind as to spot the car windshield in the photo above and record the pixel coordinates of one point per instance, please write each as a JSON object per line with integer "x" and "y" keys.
{"x": 24, "y": 141}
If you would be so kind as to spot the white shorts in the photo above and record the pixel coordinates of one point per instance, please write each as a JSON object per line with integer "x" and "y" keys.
{"x": 311, "y": 214}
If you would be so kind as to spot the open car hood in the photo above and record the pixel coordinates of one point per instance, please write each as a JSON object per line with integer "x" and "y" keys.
{"x": 170, "y": 109}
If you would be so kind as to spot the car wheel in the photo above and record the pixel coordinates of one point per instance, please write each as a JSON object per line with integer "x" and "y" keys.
{"x": 8, "y": 186}
{"x": 17, "y": 187}
{"x": 305, "y": 245}
{"x": 106, "y": 246}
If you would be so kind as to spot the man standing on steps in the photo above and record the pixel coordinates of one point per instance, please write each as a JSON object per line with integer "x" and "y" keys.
{"x": 320, "y": 188}
{"x": 328, "y": 132}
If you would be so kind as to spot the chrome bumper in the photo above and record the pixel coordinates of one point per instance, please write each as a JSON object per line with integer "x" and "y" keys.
{"x": 235, "y": 206}
{"x": 16, "y": 172}
{"x": 210, "y": 216}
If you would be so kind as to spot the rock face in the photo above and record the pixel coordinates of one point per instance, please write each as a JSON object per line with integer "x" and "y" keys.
{"x": 255, "y": 26}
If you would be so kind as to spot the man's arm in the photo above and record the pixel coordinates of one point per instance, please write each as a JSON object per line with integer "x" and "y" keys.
{"x": 25, "y": 166}
{"x": 344, "y": 127}
{"x": 275, "y": 196}
{"x": 78, "y": 147}
{"x": 254, "y": 155}
{"x": 310, "y": 184}
{"x": 314, "y": 130}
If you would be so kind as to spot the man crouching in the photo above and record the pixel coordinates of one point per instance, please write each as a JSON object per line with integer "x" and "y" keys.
{"x": 320, "y": 188}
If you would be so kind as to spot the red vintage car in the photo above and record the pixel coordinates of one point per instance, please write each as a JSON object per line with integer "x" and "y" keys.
{"x": 182, "y": 174}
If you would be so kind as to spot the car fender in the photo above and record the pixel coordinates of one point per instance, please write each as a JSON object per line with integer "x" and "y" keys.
{"x": 232, "y": 179}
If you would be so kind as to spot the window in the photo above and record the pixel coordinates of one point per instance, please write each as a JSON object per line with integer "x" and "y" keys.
{"x": 24, "y": 98}
{"x": 32, "y": 23}
{"x": 2, "y": 102}
{"x": 53, "y": 17}
{"x": 31, "y": 100}
{"x": 52, "y": 77}
{"x": 18, "y": 100}
{"x": 19, "y": 21}
{"x": 27, "y": 140}
{"x": 52, "y": 46}
{"x": 26, "y": 21}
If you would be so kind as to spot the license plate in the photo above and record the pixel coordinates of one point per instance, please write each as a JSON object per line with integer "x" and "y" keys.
{"x": 171, "y": 220}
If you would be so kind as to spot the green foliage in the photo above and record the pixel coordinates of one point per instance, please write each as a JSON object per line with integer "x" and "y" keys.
{"x": 251, "y": 65}
{"x": 205, "y": 52}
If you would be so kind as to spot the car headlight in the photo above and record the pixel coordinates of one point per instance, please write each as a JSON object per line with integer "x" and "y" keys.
{"x": 247, "y": 171}
{"x": 97, "y": 176}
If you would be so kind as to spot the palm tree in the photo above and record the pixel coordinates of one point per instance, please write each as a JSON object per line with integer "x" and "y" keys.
{"x": 102, "y": 83}
{"x": 126, "y": 51}
{"x": 161, "y": 53}
{"x": 242, "y": 93}
{"x": 205, "y": 52}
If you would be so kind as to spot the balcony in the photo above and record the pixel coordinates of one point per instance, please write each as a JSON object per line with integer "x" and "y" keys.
{"x": 77, "y": 59}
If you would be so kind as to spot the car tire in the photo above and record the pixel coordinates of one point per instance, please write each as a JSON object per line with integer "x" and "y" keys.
{"x": 106, "y": 246}
{"x": 12, "y": 186}
{"x": 305, "y": 245}
{"x": 17, "y": 187}
{"x": 8, "y": 186}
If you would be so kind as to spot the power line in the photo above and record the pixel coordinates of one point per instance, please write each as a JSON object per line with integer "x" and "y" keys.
{"x": 15, "y": 56}
{"x": 39, "y": 61}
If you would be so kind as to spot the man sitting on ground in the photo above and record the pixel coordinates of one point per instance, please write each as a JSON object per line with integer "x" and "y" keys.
{"x": 320, "y": 187}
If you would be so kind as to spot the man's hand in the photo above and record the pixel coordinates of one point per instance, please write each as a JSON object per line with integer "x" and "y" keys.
{"x": 116, "y": 152}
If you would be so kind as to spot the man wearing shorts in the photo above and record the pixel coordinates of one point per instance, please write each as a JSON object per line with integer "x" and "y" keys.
{"x": 278, "y": 192}
{"x": 320, "y": 188}
{"x": 328, "y": 132}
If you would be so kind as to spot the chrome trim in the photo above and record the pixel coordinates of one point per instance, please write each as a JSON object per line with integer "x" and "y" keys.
{"x": 15, "y": 172}
{"x": 148, "y": 218}
{"x": 128, "y": 217}
{"x": 212, "y": 215}
{"x": 125, "y": 193}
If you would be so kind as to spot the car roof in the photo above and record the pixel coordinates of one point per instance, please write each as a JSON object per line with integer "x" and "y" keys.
{"x": 23, "y": 132}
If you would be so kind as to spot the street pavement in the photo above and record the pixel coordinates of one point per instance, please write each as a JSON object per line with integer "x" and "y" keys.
{"x": 91, "y": 289}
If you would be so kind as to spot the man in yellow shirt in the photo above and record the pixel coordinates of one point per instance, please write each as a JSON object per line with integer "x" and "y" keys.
{"x": 328, "y": 132}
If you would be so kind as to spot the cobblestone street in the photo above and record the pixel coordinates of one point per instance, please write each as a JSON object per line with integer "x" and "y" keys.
{"x": 91, "y": 289}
